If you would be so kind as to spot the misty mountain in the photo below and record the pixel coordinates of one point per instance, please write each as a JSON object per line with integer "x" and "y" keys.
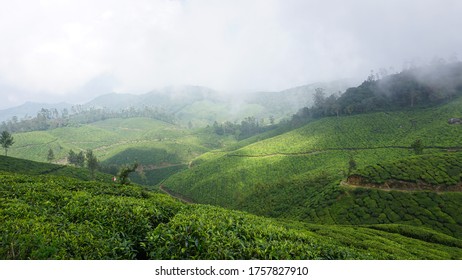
{"x": 289, "y": 101}
{"x": 423, "y": 86}
{"x": 203, "y": 105}
{"x": 171, "y": 99}
{"x": 30, "y": 109}
{"x": 199, "y": 105}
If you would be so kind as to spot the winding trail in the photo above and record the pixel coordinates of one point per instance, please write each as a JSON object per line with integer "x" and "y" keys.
{"x": 456, "y": 148}
{"x": 404, "y": 186}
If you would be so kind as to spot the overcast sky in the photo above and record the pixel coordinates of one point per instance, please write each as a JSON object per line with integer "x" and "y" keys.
{"x": 72, "y": 50}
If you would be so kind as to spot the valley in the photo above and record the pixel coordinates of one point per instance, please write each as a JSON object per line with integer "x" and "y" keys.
{"x": 345, "y": 178}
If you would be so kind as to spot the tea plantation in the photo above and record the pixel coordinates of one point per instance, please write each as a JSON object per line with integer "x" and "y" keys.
{"x": 432, "y": 172}
{"x": 55, "y": 217}
{"x": 301, "y": 174}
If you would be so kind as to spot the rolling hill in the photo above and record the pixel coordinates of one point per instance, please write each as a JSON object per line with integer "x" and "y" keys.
{"x": 202, "y": 106}
{"x": 58, "y": 217}
{"x": 298, "y": 174}
{"x": 33, "y": 168}
{"x": 160, "y": 148}
{"x": 351, "y": 182}
{"x": 29, "y": 109}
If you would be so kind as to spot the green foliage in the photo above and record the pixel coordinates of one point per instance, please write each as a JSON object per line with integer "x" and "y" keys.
{"x": 47, "y": 217}
{"x": 351, "y": 165}
{"x": 116, "y": 142}
{"x": 282, "y": 176}
{"x": 439, "y": 171}
{"x": 22, "y": 166}
{"x": 51, "y": 155}
{"x": 76, "y": 159}
{"x": 371, "y": 206}
{"x": 125, "y": 171}
{"x": 6, "y": 140}
{"x": 418, "y": 87}
{"x": 206, "y": 232}
{"x": 53, "y": 217}
{"x": 417, "y": 146}
{"x": 92, "y": 162}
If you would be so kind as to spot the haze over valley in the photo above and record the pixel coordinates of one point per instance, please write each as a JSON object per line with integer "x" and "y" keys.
{"x": 230, "y": 130}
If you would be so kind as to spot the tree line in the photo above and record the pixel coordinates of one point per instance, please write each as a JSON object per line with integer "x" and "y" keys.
{"x": 416, "y": 87}
{"x": 53, "y": 118}
{"x": 246, "y": 128}
{"x": 81, "y": 159}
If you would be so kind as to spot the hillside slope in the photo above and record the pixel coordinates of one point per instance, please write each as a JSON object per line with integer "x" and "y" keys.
{"x": 297, "y": 174}
{"x": 33, "y": 168}
{"x": 160, "y": 148}
{"x": 55, "y": 217}
{"x": 203, "y": 106}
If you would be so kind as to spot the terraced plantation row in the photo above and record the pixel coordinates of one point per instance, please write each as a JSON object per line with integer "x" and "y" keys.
{"x": 298, "y": 174}
{"x": 52, "y": 217}
{"x": 116, "y": 142}
{"x": 439, "y": 172}
{"x": 368, "y": 131}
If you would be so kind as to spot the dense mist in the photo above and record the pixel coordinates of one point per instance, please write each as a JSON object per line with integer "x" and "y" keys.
{"x": 73, "y": 51}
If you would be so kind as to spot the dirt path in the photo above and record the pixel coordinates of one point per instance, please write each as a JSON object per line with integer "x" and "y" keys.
{"x": 405, "y": 187}
{"x": 175, "y": 195}
{"x": 457, "y": 148}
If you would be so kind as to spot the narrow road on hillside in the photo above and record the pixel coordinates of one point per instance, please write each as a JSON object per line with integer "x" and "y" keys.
{"x": 405, "y": 187}
{"x": 175, "y": 195}
{"x": 457, "y": 148}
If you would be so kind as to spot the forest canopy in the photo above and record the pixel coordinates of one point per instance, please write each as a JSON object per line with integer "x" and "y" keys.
{"x": 415, "y": 87}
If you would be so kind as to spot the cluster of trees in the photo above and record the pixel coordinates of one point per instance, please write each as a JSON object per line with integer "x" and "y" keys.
{"x": 53, "y": 118}
{"x": 416, "y": 87}
{"x": 248, "y": 127}
{"x": 81, "y": 158}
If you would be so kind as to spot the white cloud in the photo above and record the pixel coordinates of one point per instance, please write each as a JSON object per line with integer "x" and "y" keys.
{"x": 63, "y": 47}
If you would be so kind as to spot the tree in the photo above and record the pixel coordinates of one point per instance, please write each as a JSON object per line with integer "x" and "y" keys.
{"x": 319, "y": 97}
{"x": 125, "y": 171}
{"x": 51, "y": 155}
{"x": 6, "y": 140}
{"x": 80, "y": 159}
{"x": 92, "y": 162}
{"x": 351, "y": 165}
{"x": 72, "y": 157}
{"x": 417, "y": 146}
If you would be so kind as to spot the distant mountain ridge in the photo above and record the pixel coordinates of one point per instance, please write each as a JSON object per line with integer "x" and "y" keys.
{"x": 30, "y": 109}
{"x": 198, "y": 104}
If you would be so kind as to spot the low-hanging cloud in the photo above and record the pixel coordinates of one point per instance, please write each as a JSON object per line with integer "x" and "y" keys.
{"x": 55, "y": 48}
